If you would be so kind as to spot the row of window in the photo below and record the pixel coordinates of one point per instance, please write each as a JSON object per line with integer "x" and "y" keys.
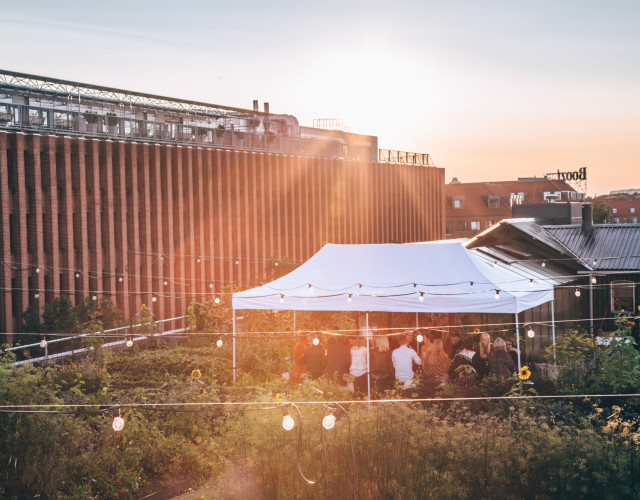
{"x": 631, "y": 210}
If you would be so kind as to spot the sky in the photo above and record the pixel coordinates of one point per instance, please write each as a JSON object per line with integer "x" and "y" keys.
{"x": 492, "y": 89}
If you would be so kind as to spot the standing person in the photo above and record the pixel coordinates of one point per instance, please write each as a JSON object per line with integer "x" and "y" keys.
{"x": 500, "y": 362}
{"x": 381, "y": 365}
{"x": 403, "y": 358}
{"x": 358, "y": 368}
{"x": 436, "y": 362}
{"x": 314, "y": 358}
{"x": 338, "y": 359}
{"x": 299, "y": 368}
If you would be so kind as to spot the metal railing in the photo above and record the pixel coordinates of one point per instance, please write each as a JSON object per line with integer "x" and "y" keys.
{"x": 404, "y": 157}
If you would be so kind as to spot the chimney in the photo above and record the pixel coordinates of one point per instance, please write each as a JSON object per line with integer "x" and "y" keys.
{"x": 266, "y": 107}
{"x": 256, "y": 106}
{"x": 587, "y": 218}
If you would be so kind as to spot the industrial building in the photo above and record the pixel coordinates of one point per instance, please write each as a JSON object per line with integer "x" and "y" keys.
{"x": 141, "y": 198}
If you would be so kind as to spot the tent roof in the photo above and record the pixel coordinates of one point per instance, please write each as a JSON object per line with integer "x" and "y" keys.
{"x": 392, "y": 277}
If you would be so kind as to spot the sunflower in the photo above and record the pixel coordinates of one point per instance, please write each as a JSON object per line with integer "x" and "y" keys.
{"x": 196, "y": 374}
{"x": 276, "y": 314}
{"x": 524, "y": 373}
{"x": 477, "y": 330}
{"x": 143, "y": 307}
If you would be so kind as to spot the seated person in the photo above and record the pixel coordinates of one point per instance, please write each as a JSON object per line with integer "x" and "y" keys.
{"x": 500, "y": 362}
{"x": 403, "y": 358}
{"x": 466, "y": 356}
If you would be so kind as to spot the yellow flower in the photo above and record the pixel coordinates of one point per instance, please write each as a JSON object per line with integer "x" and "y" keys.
{"x": 196, "y": 374}
{"x": 524, "y": 373}
{"x": 143, "y": 307}
{"x": 477, "y": 330}
{"x": 276, "y": 313}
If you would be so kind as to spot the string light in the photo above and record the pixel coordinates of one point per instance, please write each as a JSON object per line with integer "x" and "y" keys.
{"x": 154, "y": 299}
{"x": 118, "y": 422}
{"x": 43, "y": 343}
{"x": 316, "y": 341}
{"x": 310, "y": 288}
{"x": 217, "y": 300}
{"x": 495, "y": 263}
{"x": 77, "y": 275}
{"x": 595, "y": 262}
{"x": 94, "y": 297}
{"x": 330, "y": 420}
{"x": 349, "y": 297}
{"x": 198, "y": 260}
{"x": 37, "y": 294}
{"x": 497, "y": 295}
{"x": 531, "y": 333}
{"x": 237, "y": 262}
{"x": 544, "y": 264}
{"x": 211, "y": 285}
{"x": 162, "y": 257}
{"x": 287, "y": 420}
{"x": 421, "y": 298}
{"x": 577, "y": 292}
{"x": 530, "y": 283}
{"x": 276, "y": 263}
{"x": 120, "y": 279}
{"x": 471, "y": 283}
{"x": 129, "y": 343}
{"x": 219, "y": 342}
{"x": 38, "y": 270}
{"x": 281, "y": 298}
{"x": 419, "y": 338}
{"x": 165, "y": 282}
{"x": 593, "y": 280}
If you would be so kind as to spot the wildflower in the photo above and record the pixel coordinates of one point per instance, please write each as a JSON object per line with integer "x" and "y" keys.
{"x": 143, "y": 307}
{"x": 196, "y": 374}
{"x": 524, "y": 373}
{"x": 477, "y": 330}
{"x": 276, "y": 313}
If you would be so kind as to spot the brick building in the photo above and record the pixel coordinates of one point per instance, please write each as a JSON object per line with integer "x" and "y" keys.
{"x": 146, "y": 199}
{"x": 475, "y": 206}
{"x": 623, "y": 208}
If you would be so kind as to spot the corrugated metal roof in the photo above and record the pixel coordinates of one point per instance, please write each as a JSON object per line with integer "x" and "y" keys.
{"x": 540, "y": 233}
{"x": 612, "y": 246}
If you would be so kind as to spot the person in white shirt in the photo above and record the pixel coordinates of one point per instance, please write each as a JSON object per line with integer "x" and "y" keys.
{"x": 403, "y": 358}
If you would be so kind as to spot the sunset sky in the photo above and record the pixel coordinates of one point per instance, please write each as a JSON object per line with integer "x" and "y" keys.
{"x": 492, "y": 90}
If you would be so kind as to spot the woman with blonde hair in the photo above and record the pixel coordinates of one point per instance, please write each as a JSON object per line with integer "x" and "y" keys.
{"x": 500, "y": 362}
{"x": 484, "y": 349}
{"x": 436, "y": 362}
{"x": 381, "y": 365}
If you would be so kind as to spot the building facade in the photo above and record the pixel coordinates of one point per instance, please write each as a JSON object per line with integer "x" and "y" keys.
{"x": 475, "y": 206}
{"x": 623, "y": 208}
{"x": 165, "y": 202}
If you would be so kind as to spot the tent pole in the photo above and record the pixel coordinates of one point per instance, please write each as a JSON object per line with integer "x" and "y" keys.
{"x": 368, "y": 370}
{"x": 518, "y": 344}
{"x": 234, "y": 345}
{"x": 294, "y": 324}
{"x": 591, "y": 303}
{"x": 417, "y": 343}
{"x": 553, "y": 328}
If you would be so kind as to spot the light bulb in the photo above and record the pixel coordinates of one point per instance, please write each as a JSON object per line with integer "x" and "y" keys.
{"x": 497, "y": 295}
{"x": 544, "y": 264}
{"x": 495, "y": 263}
{"x": 593, "y": 280}
{"x": 276, "y": 264}
{"x": 162, "y": 257}
{"x": 210, "y": 285}
{"x": 421, "y": 298}
{"x": 198, "y": 260}
{"x": 471, "y": 283}
{"x": 329, "y": 422}
{"x": 310, "y": 288}
{"x": 531, "y": 333}
{"x": 287, "y": 422}
{"x": 165, "y": 282}
{"x": 43, "y": 343}
{"x": 129, "y": 343}
{"x": 77, "y": 275}
{"x": 595, "y": 262}
{"x": 419, "y": 338}
{"x": 316, "y": 341}
{"x": 577, "y": 292}
{"x": 530, "y": 283}
{"x": 95, "y": 297}
{"x": 37, "y": 295}
{"x": 154, "y": 298}
{"x": 237, "y": 262}
{"x": 37, "y": 270}
{"x": 281, "y": 298}
{"x": 120, "y": 279}
{"x": 349, "y": 297}
{"x": 219, "y": 342}
{"x": 118, "y": 422}
{"x": 217, "y": 300}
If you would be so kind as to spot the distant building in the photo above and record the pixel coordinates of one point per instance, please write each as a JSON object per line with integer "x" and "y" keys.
{"x": 623, "y": 207}
{"x": 475, "y": 206}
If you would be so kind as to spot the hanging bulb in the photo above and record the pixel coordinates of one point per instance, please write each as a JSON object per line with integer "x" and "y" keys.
{"x": 38, "y": 270}
{"x": 237, "y": 262}
{"x": 118, "y": 422}
{"x": 94, "y": 297}
{"x": 77, "y": 275}
{"x": 37, "y": 294}
{"x": 287, "y": 420}
{"x": 421, "y": 298}
{"x": 211, "y": 285}
{"x": 219, "y": 342}
{"x": 330, "y": 420}
{"x": 349, "y": 297}
{"x": 595, "y": 262}
{"x": 471, "y": 283}
{"x": 310, "y": 288}
{"x": 316, "y": 341}
{"x": 419, "y": 338}
{"x": 544, "y": 264}
{"x": 495, "y": 263}
{"x": 530, "y": 283}
{"x": 129, "y": 343}
{"x": 281, "y": 298}
{"x": 162, "y": 257}
{"x": 276, "y": 264}
{"x": 359, "y": 285}
{"x": 217, "y": 300}
{"x": 165, "y": 282}
{"x": 531, "y": 333}
{"x": 154, "y": 299}
{"x": 577, "y": 292}
{"x": 43, "y": 343}
{"x": 414, "y": 285}
{"x": 120, "y": 279}
{"x": 593, "y": 280}
{"x": 497, "y": 295}
{"x": 198, "y": 260}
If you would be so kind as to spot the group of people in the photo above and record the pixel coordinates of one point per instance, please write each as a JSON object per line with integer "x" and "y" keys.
{"x": 345, "y": 360}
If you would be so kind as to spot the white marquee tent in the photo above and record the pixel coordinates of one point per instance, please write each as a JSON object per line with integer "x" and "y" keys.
{"x": 438, "y": 276}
